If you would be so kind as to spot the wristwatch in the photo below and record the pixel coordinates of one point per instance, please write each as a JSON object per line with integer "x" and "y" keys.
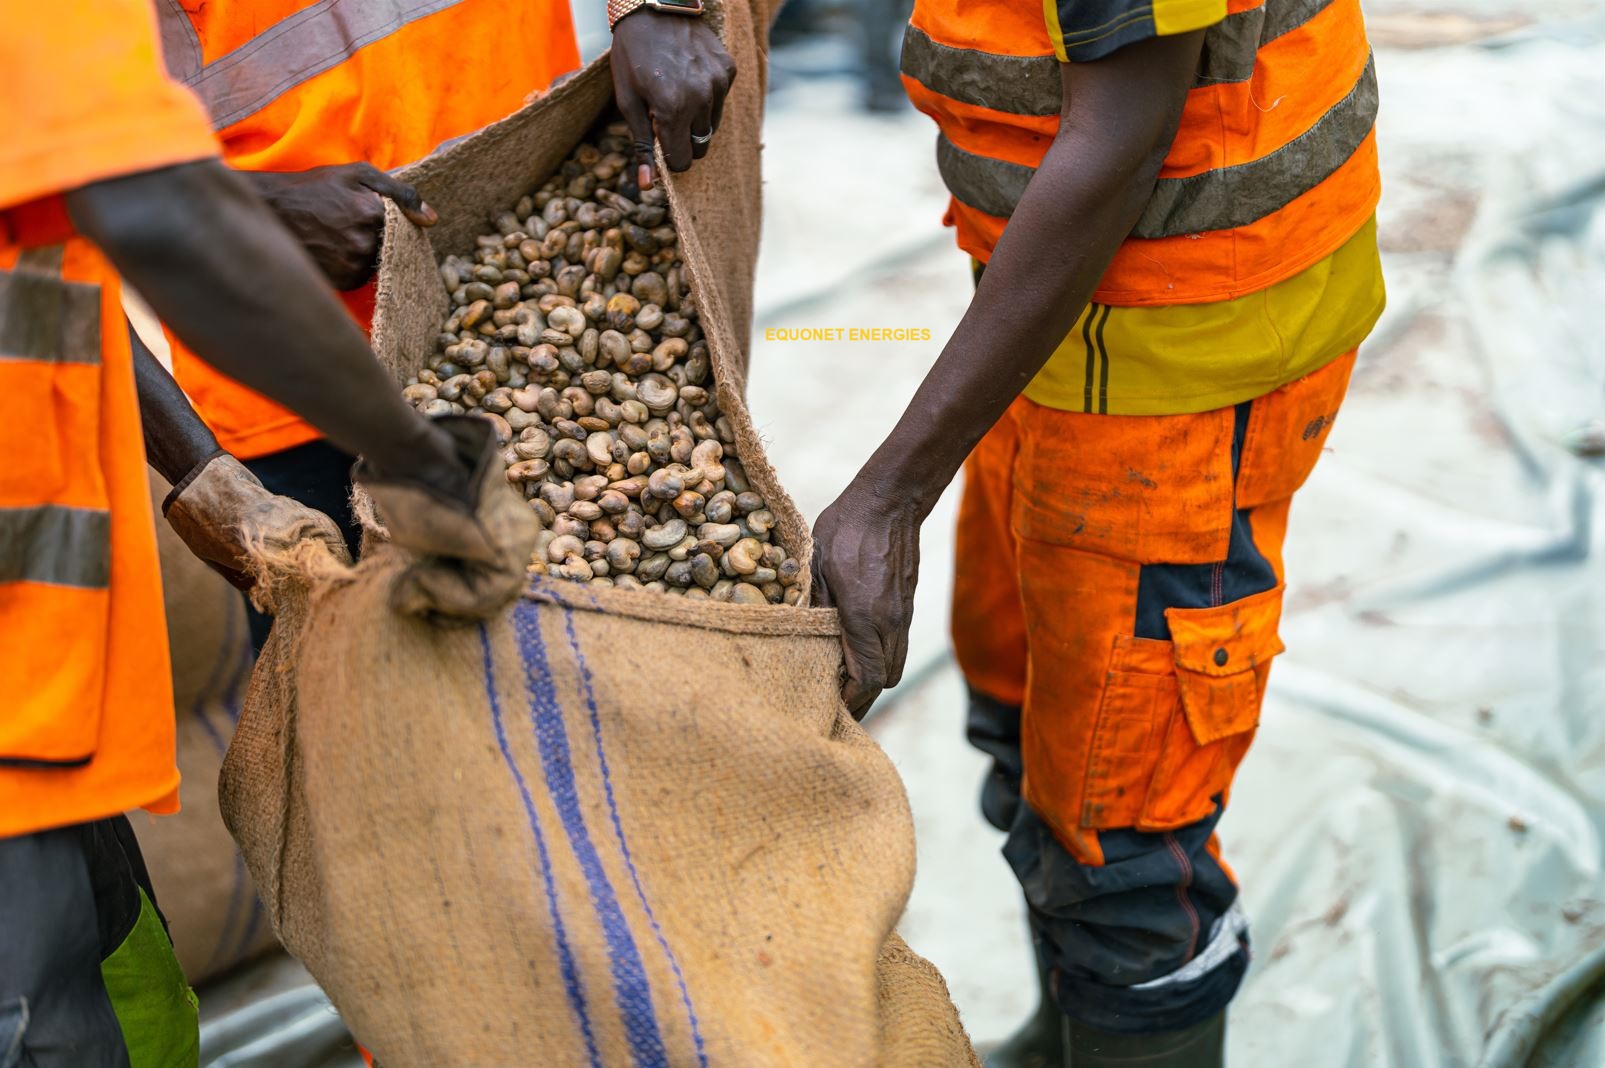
{"x": 617, "y": 9}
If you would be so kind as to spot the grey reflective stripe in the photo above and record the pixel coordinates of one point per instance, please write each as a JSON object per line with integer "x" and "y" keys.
{"x": 1220, "y": 199}
{"x": 55, "y": 544}
{"x": 45, "y": 318}
{"x": 1030, "y": 85}
{"x": 1231, "y": 45}
{"x": 1019, "y": 85}
{"x": 302, "y": 46}
{"x": 181, "y": 45}
{"x": 1240, "y": 195}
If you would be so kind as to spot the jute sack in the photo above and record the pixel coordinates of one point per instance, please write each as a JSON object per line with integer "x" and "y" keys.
{"x": 201, "y": 883}
{"x": 608, "y": 828}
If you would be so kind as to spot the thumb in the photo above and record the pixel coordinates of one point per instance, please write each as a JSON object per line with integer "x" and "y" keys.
{"x": 406, "y": 197}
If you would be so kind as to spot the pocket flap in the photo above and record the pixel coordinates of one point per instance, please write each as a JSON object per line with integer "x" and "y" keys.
{"x": 1230, "y": 638}
{"x": 1221, "y": 657}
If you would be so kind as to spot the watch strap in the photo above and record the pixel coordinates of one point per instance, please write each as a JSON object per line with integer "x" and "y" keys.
{"x": 617, "y": 9}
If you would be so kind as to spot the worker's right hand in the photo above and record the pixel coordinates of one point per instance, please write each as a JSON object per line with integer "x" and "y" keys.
{"x": 670, "y": 75}
{"x": 473, "y": 546}
{"x": 336, "y": 214}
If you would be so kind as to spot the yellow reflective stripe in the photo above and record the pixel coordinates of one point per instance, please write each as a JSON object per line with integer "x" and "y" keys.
{"x": 43, "y": 317}
{"x": 1183, "y": 16}
{"x": 55, "y": 544}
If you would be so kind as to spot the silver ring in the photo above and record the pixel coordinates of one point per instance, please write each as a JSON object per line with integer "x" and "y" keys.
{"x": 702, "y": 139}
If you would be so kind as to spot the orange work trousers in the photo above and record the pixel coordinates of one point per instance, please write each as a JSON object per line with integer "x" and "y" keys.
{"x": 1116, "y": 602}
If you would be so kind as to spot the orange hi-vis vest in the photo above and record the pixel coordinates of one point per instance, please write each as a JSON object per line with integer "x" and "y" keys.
{"x": 86, "y": 719}
{"x": 1273, "y": 168}
{"x": 88, "y": 728}
{"x": 296, "y": 84}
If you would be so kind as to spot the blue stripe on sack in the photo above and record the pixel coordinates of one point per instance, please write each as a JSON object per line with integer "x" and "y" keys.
{"x": 631, "y": 989}
{"x": 571, "y": 975}
{"x": 624, "y": 846}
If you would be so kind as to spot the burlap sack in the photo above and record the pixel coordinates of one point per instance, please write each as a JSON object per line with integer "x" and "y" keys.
{"x": 201, "y": 883}
{"x": 609, "y": 828}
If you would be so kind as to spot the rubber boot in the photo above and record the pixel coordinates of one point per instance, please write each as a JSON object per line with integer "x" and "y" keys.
{"x": 1039, "y": 1043}
{"x": 1200, "y": 1046}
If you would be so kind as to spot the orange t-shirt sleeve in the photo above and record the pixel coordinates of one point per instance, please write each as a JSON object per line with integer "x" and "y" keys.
{"x": 87, "y": 98}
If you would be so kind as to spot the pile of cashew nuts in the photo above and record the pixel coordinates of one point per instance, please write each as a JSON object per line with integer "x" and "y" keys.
{"x": 572, "y": 330}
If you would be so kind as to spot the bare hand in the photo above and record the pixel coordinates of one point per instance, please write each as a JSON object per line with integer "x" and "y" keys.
{"x": 671, "y": 74}
{"x": 866, "y": 564}
{"x": 336, "y": 214}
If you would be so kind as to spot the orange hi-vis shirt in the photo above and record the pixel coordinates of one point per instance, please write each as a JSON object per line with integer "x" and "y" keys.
{"x": 296, "y": 84}
{"x": 1273, "y": 168}
{"x": 88, "y": 728}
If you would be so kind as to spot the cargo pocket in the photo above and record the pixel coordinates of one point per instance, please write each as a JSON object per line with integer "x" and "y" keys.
{"x": 1138, "y": 697}
{"x": 1150, "y": 489}
{"x": 1221, "y": 661}
{"x": 1286, "y": 432}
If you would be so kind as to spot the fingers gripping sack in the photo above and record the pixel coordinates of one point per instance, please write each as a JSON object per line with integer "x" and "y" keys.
{"x": 472, "y": 554}
{"x": 231, "y": 521}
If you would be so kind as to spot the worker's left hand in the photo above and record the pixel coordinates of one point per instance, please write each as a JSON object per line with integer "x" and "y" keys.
{"x": 670, "y": 74}
{"x": 471, "y": 536}
{"x": 336, "y": 214}
{"x": 220, "y": 508}
{"x": 866, "y": 564}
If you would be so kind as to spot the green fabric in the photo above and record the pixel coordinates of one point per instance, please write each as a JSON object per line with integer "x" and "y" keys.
{"x": 155, "y": 1006}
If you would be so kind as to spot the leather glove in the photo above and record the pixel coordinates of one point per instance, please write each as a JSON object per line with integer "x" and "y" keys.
{"x": 474, "y": 555}
{"x": 219, "y": 508}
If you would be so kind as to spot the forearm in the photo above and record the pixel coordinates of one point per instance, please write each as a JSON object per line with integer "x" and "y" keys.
{"x": 231, "y": 283}
{"x": 175, "y": 438}
{"x": 1077, "y": 209}
{"x": 1042, "y": 273}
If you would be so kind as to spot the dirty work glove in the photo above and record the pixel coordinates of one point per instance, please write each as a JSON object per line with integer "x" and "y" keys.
{"x": 219, "y": 508}
{"x": 474, "y": 550}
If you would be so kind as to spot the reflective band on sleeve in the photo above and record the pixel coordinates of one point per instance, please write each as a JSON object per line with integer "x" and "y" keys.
{"x": 1231, "y": 45}
{"x": 305, "y": 44}
{"x": 181, "y": 45}
{"x": 55, "y": 544}
{"x": 1030, "y": 85}
{"x": 1019, "y": 85}
{"x": 1220, "y": 199}
{"x": 45, "y": 318}
{"x": 1241, "y": 195}
{"x": 994, "y": 186}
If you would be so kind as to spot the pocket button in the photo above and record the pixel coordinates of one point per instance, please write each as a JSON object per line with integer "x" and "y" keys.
{"x": 1221, "y": 657}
